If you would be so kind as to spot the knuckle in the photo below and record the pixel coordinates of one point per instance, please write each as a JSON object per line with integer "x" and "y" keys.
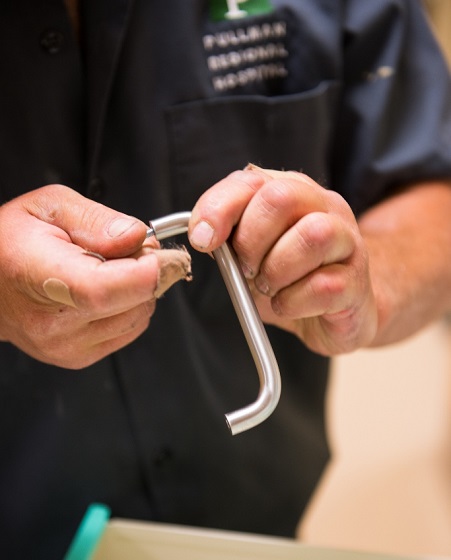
{"x": 138, "y": 321}
{"x": 240, "y": 179}
{"x": 93, "y": 299}
{"x": 246, "y": 179}
{"x": 271, "y": 271}
{"x": 92, "y": 217}
{"x": 283, "y": 305}
{"x": 243, "y": 245}
{"x": 330, "y": 288}
{"x": 336, "y": 203}
{"x": 238, "y": 175}
{"x": 275, "y": 198}
{"x": 53, "y": 191}
{"x": 315, "y": 231}
{"x": 47, "y": 202}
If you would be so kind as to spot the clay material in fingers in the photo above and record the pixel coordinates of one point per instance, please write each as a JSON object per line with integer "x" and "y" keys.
{"x": 273, "y": 173}
{"x": 175, "y": 265}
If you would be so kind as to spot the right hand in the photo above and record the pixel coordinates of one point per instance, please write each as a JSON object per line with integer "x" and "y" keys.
{"x": 301, "y": 249}
{"x": 59, "y": 304}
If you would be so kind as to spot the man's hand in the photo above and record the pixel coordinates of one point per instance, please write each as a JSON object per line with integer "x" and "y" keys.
{"x": 301, "y": 249}
{"x": 77, "y": 279}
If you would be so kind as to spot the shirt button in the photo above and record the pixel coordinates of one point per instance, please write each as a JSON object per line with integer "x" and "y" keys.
{"x": 96, "y": 188}
{"x": 52, "y": 41}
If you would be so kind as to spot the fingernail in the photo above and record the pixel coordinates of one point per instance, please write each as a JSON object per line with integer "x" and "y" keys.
{"x": 202, "y": 235}
{"x": 276, "y": 307}
{"x": 262, "y": 285}
{"x": 120, "y": 226}
{"x": 247, "y": 270}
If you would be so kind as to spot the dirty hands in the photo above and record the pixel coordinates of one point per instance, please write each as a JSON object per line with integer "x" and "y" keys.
{"x": 65, "y": 306}
{"x": 300, "y": 247}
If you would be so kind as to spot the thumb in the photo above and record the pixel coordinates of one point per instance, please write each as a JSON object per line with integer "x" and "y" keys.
{"x": 90, "y": 225}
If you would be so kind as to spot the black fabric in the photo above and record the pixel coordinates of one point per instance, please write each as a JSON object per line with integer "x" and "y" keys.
{"x": 141, "y": 119}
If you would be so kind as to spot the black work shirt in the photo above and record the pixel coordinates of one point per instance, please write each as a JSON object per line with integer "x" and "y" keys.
{"x": 157, "y": 102}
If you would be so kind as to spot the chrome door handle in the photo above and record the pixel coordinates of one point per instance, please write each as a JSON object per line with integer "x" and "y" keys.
{"x": 253, "y": 329}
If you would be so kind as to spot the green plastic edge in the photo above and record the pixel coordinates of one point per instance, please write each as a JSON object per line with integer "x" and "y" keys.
{"x": 89, "y": 533}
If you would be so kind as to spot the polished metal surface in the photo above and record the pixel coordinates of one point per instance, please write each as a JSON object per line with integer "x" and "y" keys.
{"x": 254, "y": 331}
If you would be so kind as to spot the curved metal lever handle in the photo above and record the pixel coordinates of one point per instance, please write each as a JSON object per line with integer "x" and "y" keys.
{"x": 254, "y": 331}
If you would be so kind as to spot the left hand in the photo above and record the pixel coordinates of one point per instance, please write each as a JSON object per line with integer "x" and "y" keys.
{"x": 300, "y": 248}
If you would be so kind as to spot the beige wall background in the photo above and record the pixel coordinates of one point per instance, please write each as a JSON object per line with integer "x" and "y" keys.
{"x": 440, "y": 15}
{"x": 388, "y": 487}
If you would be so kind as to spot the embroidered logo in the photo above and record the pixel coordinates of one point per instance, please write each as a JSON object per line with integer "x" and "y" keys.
{"x": 237, "y": 9}
{"x": 242, "y": 55}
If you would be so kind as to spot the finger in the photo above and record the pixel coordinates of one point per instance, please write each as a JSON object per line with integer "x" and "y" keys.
{"x": 91, "y": 341}
{"x": 73, "y": 337}
{"x": 316, "y": 240}
{"x": 61, "y": 271}
{"x": 328, "y": 290}
{"x": 47, "y": 263}
{"x": 44, "y": 266}
{"x": 220, "y": 208}
{"x": 274, "y": 209}
{"x": 88, "y": 224}
{"x": 104, "y": 289}
{"x": 108, "y": 347}
{"x": 131, "y": 323}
